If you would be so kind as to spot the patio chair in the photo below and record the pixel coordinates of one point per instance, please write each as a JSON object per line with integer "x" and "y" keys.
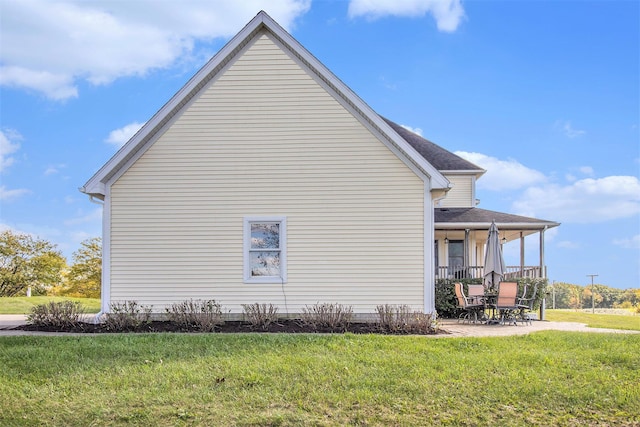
{"x": 506, "y": 303}
{"x": 525, "y": 304}
{"x": 471, "y": 309}
{"x": 476, "y": 294}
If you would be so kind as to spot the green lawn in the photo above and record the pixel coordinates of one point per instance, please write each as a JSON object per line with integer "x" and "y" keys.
{"x": 547, "y": 378}
{"x": 596, "y": 320}
{"x": 22, "y": 305}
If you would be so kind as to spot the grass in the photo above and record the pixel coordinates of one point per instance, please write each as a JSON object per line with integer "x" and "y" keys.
{"x": 547, "y": 378}
{"x": 597, "y": 320}
{"x": 23, "y": 305}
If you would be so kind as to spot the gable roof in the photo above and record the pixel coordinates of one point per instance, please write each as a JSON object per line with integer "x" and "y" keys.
{"x": 440, "y": 158}
{"x": 135, "y": 147}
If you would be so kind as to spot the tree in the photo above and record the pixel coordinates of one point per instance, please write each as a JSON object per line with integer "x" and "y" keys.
{"x": 25, "y": 262}
{"x": 85, "y": 275}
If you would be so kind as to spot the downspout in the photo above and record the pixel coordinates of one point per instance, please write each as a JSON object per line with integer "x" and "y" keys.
{"x": 93, "y": 199}
{"x": 430, "y": 294}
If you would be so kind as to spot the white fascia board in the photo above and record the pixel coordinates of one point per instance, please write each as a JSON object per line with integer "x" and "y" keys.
{"x": 501, "y": 226}
{"x": 477, "y": 172}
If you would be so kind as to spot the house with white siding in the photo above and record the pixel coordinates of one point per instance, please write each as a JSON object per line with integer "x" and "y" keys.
{"x": 266, "y": 179}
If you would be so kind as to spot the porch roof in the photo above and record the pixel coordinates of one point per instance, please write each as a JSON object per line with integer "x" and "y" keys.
{"x": 480, "y": 219}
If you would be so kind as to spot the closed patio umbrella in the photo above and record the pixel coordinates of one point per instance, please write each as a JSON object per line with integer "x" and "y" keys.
{"x": 493, "y": 260}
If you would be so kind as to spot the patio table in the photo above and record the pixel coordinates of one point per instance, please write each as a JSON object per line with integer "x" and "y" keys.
{"x": 490, "y": 299}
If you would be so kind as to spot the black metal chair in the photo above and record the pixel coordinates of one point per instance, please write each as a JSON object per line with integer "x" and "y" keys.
{"x": 525, "y": 304}
{"x": 471, "y": 309}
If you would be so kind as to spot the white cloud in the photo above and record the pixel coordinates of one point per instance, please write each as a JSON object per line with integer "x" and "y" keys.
{"x": 502, "y": 174}
{"x": 417, "y": 131}
{"x": 447, "y": 13}
{"x": 6, "y": 194}
{"x": 95, "y": 216}
{"x": 49, "y": 46}
{"x": 584, "y": 170}
{"x": 566, "y": 128}
{"x": 54, "y": 169}
{"x": 587, "y": 170}
{"x": 584, "y": 201}
{"x": 56, "y": 86}
{"x": 8, "y": 146}
{"x": 119, "y": 137}
{"x": 628, "y": 242}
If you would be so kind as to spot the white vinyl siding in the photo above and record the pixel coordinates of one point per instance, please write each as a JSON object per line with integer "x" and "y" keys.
{"x": 266, "y": 140}
{"x": 461, "y": 194}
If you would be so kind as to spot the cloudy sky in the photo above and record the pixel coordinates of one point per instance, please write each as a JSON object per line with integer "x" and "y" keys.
{"x": 544, "y": 95}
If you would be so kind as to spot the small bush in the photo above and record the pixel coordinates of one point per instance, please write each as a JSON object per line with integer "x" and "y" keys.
{"x": 260, "y": 315}
{"x": 422, "y": 323}
{"x": 202, "y": 315}
{"x": 401, "y": 320}
{"x": 127, "y": 316}
{"x": 393, "y": 318}
{"x": 62, "y": 314}
{"x": 327, "y": 315}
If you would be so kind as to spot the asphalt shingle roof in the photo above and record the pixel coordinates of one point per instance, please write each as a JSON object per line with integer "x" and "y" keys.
{"x": 441, "y": 159}
{"x": 483, "y": 216}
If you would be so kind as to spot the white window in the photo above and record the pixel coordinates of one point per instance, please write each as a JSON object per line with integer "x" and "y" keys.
{"x": 265, "y": 255}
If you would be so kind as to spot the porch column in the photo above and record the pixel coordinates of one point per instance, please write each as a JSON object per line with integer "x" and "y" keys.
{"x": 466, "y": 251}
{"x": 543, "y": 272}
{"x": 521, "y": 254}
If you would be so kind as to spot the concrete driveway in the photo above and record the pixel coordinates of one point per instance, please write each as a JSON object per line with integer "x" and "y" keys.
{"x": 8, "y": 321}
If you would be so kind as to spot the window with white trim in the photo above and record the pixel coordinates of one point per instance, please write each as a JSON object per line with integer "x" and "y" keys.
{"x": 265, "y": 250}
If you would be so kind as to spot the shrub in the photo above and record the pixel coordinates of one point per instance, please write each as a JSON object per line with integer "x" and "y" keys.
{"x": 400, "y": 319}
{"x": 393, "y": 318}
{"x": 127, "y": 316}
{"x": 422, "y": 323}
{"x": 62, "y": 314}
{"x": 446, "y": 300}
{"x": 327, "y": 315}
{"x": 260, "y": 315}
{"x": 202, "y": 315}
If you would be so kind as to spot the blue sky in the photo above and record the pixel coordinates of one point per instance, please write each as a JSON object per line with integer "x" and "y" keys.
{"x": 545, "y": 95}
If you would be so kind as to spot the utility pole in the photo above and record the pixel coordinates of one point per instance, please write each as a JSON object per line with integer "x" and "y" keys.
{"x": 593, "y": 305}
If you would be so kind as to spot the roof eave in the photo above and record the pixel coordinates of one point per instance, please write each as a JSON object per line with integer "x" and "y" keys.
{"x": 477, "y": 172}
{"x": 500, "y": 225}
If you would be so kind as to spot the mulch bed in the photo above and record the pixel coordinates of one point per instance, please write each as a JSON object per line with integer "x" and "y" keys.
{"x": 282, "y": 326}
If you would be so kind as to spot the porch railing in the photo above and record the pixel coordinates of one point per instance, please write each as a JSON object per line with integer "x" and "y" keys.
{"x": 477, "y": 272}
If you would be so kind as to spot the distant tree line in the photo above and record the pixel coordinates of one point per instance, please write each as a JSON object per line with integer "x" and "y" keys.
{"x": 28, "y": 262}
{"x": 567, "y": 295}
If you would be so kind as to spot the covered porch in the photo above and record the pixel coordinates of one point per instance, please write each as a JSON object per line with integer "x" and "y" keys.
{"x": 461, "y": 235}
